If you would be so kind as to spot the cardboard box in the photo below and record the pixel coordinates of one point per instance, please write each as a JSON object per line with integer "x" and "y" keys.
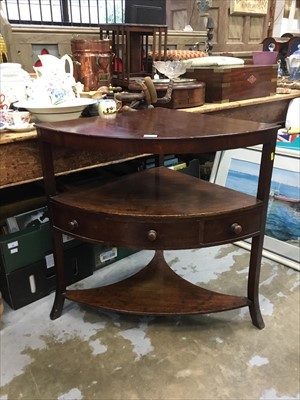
{"x": 28, "y": 246}
{"x": 28, "y": 284}
{"x": 224, "y": 84}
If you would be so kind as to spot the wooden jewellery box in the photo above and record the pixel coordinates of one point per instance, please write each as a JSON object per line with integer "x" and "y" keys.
{"x": 233, "y": 83}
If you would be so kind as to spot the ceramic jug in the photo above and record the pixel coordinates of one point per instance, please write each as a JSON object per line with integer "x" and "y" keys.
{"x": 52, "y": 64}
{"x": 54, "y": 84}
{"x": 108, "y": 108}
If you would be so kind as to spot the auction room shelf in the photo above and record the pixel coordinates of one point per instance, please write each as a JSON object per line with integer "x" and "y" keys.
{"x": 158, "y": 208}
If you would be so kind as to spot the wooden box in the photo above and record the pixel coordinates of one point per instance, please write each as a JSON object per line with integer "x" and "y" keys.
{"x": 184, "y": 95}
{"x": 224, "y": 84}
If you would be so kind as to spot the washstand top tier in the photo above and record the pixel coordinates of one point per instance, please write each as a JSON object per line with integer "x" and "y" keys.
{"x": 157, "y": 130}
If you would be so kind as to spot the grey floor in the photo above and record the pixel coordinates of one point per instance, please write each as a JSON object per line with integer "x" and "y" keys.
{"x": 91, "y": 354}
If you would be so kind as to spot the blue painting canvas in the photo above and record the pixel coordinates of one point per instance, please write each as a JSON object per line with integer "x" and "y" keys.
{"x": 283, "y": 219}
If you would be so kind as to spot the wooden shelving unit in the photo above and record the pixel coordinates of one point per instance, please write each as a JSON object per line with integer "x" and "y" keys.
{"x": 132, "y": 46}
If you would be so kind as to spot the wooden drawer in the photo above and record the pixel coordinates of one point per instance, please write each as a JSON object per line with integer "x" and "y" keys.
{"x": 137, "y": 233}
{"x": 230, "y": 228}
{"x": 141, "y": 233}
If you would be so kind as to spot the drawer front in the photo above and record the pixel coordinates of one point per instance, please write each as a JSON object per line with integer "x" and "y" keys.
{"x": 159, "y": 234}
{"x": 233, "y": 227}
{"x": 138, "y": 233}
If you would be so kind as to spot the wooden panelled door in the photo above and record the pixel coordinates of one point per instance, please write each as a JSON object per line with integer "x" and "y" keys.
{"x": 234, "y": 32}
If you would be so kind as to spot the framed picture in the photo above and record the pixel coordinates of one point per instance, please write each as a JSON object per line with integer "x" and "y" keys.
{"x": 258, "y": 7}
{"x": 239, "y": 168}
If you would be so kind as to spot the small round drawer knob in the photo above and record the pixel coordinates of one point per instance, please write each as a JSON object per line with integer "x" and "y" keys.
{"x": 152, "y": 235}
{"x": 73, "y": 225}
{"x": 236, "y": 228}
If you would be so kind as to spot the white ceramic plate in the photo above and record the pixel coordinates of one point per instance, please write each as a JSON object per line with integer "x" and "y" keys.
{"x": 18, "y": 128}
{"x": 61, "y": 112}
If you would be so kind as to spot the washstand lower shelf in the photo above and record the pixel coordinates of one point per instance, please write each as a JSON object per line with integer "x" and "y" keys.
{"x": 157, "y": 290}
{"x": 156, "y": 209}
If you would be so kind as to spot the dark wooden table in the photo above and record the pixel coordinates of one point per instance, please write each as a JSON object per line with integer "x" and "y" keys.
{"x": 20, "y": 160}
{"x": 158, "y": 208}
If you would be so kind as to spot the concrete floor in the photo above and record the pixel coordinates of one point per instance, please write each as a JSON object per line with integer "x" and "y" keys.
{"x": 91, "y": 354}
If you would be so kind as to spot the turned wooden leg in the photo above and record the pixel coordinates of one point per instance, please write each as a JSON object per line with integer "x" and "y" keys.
{"x": 60, "y": 276}
{"x": 253, "y": 282}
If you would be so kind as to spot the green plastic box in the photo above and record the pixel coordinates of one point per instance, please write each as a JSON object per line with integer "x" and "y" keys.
{"x": 105, "y": 254}
{"x": 28, "y": 246}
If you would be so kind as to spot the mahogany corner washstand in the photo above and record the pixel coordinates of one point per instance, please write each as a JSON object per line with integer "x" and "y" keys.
{"x": 158, "y": 209}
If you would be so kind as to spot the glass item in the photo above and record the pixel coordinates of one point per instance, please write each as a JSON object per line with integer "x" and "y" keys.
{"x": 172, "y": 69}
{"x": 280, "y": 70}
{"x": 271, "y": 47}
{"x": 293, "y": 65}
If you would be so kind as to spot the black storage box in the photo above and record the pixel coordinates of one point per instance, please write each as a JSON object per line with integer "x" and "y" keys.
{"x": 32, "y": 282}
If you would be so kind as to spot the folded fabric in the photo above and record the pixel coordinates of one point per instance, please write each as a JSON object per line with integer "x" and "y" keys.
{"x": 215, "y": 61}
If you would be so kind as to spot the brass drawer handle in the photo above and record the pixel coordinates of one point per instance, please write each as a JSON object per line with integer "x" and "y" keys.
{"x": 73, "y": 225}
{"x": 236, "y": 228}
{"x": 152, "y": 235}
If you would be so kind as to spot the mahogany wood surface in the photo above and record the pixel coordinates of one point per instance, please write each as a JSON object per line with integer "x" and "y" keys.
{"x": 157, "y": 290}
{"x": 158, "y": 208}
{"x": 20, "y": 159}
{"x": 158, "y": 130}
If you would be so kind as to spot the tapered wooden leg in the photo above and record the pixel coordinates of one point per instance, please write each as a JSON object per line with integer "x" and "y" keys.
{"x": 253, "y": 282}
{"x": 57, "y": 305}
{"x": 263, "y": 192}
{"x": 60, "y": 276}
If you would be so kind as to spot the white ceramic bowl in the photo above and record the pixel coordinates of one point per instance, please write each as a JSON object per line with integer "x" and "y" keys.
{"x": 61, "y": 112}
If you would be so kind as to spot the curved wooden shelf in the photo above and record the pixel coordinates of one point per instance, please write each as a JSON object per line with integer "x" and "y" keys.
{"x": 144, "y": 210}
{"x": 157, "y": 290}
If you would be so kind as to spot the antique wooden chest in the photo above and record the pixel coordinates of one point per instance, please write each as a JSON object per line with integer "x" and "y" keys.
{"x": 185, "y": 94}
{"x": 224, "y": 84}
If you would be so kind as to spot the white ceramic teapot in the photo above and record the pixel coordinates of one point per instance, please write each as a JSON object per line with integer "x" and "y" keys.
{"x": 293, "y": 65}
{"x": 54, "y": 84}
